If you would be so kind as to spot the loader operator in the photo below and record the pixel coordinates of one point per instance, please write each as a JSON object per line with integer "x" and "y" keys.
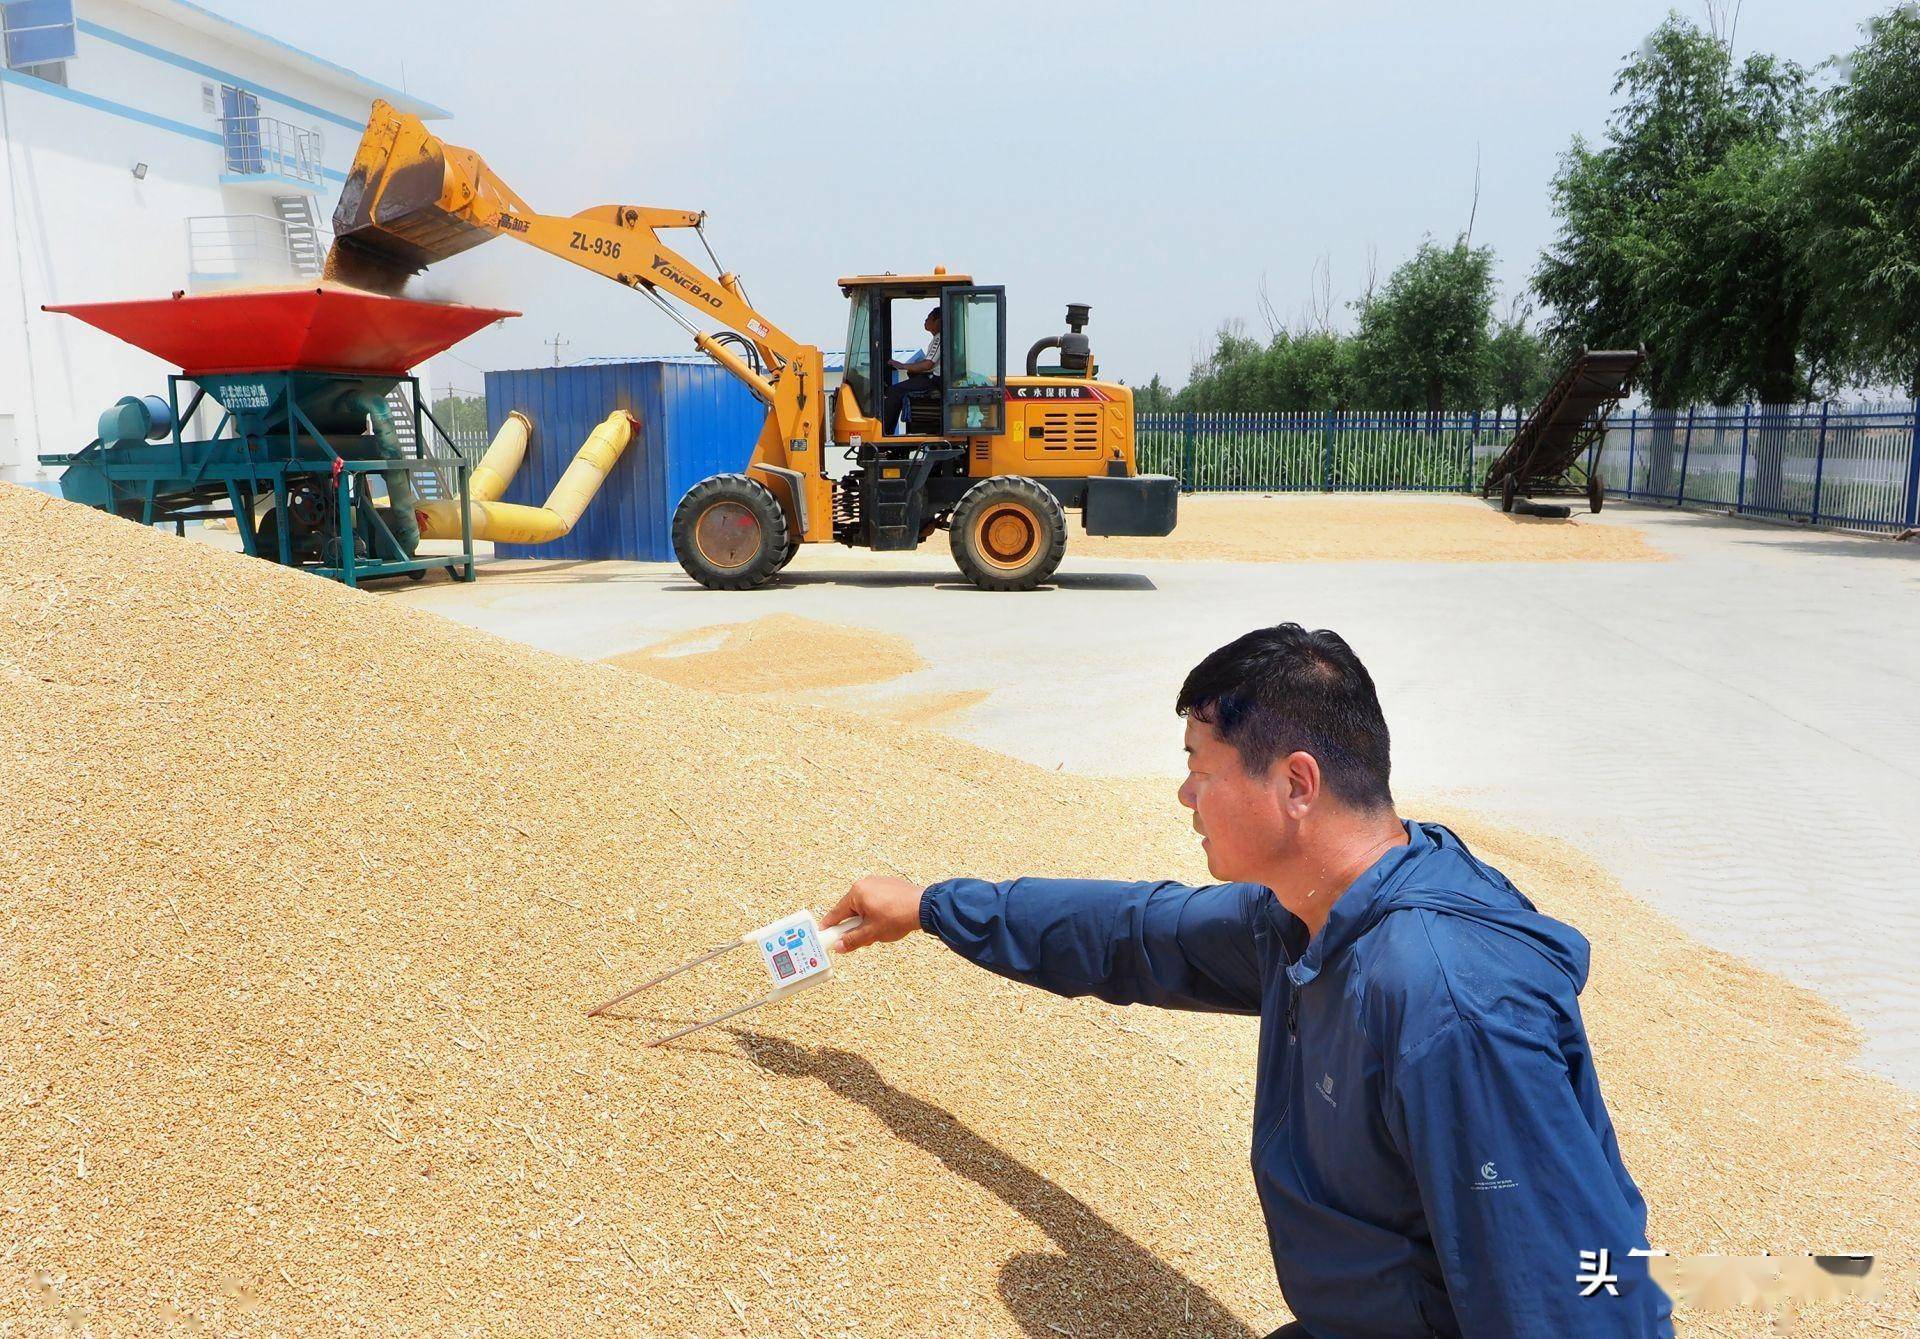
{"x": 922, "y": 376}
{"x": 1430, "y": 1146}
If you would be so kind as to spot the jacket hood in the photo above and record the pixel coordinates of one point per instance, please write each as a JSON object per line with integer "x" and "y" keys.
{"x": 1436, "y": 872}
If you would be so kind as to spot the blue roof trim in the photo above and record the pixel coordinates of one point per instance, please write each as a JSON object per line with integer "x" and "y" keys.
{"x": 174, "y": 58}
{"x": 112, "y": 108}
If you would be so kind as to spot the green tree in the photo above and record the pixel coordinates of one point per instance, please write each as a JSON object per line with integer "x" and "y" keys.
{"x": 1863, "y": 181}
{"x": 1679, "y": 233}
{"x": 1520, "y": 362}
{"x": 1422, "y": 340}
{"x": 1152, "y": 398}
{"x": 461, "y": 413}
{"x": 1309, "y": 369}
{"x": 1231, "y": 377}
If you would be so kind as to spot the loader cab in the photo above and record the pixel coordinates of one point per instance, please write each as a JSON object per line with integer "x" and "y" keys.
{"x": 885, "y": 320}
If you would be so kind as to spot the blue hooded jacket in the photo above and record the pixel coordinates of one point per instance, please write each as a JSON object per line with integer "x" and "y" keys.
{"x": 1431, "y": 1149}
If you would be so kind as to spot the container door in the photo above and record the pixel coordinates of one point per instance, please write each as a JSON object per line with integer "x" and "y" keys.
{"x": 973, "y": 362}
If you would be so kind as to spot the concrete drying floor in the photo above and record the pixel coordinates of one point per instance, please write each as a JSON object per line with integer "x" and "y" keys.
{"x": 1734, "y": 732}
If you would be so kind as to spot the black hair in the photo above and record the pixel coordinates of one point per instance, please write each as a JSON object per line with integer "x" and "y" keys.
{"x": 1282, "y": 690}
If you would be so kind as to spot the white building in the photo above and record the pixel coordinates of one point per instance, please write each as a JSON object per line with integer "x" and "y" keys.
{"x": 149, "y": 146}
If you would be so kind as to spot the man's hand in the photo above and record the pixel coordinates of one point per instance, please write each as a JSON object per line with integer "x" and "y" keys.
{"x": 890, "y": 906}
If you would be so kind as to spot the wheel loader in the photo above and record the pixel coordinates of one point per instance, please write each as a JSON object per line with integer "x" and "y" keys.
{"x": 995, "y": 460}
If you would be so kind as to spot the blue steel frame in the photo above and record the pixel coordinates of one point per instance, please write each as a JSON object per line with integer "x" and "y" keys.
{"x": 165, "y": 480}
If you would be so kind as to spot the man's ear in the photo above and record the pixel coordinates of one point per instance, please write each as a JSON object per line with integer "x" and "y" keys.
{"x": 1298, "y": 781}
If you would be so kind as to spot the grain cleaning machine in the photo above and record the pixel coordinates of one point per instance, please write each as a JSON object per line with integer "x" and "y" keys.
{"x": 301, "y": 379}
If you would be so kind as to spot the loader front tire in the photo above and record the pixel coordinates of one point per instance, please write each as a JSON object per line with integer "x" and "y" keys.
{"x": 1008, "y": 533}
{"x": 729, "y": 533}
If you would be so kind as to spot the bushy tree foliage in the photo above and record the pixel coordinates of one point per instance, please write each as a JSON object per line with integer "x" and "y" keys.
{"x": 461, "y": 413}
{"x": 1678, "y": 232}
{"x": 1422, "y": 341}
{"x": 1521, "y": 363}
{"x": 1861, "y": 235}
{"x": 1758, "y": 236}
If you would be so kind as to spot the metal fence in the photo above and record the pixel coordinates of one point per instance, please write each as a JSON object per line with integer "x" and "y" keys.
{"x": 470, "y": 442}
{"x": 1848, "y": 465}
{"x": 1321, "y": 451}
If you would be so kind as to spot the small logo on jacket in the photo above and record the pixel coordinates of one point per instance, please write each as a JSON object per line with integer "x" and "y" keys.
{"x": 1490, "y": 1179}
{"x": 1325, "y": 1089}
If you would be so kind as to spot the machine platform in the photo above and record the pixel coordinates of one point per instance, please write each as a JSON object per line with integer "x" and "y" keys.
{"x": 322, "y": 328}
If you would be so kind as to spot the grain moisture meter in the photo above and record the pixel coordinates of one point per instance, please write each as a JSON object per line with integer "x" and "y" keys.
{"x": 795, "y": 951}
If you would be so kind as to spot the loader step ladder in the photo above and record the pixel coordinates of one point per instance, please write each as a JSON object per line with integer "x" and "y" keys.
{"x": 1556, "y": 452}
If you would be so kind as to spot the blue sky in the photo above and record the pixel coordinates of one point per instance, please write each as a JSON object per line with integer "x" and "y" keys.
{"x": 1155, "y": 161}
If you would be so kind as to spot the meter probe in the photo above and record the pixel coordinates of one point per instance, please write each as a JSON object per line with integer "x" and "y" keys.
{"x": 796, "y": 952}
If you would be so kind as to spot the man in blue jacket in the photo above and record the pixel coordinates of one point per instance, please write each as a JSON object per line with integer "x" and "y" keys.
{"x": 1432, "y": 1153}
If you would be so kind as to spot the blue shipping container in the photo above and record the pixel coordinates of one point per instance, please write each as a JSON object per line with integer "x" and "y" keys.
{"x": 695, "y": 420}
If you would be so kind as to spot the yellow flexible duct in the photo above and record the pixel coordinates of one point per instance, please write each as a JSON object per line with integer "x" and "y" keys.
{"x": 489, "y": 480}
{"x": 514, "y": 523}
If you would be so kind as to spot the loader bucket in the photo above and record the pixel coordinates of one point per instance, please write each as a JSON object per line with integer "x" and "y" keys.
{"x": 401, "y": 210}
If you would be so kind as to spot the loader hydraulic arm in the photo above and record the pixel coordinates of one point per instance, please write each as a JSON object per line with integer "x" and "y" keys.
{"x": 411, "y": 200}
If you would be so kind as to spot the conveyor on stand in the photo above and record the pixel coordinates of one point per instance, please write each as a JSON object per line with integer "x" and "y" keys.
{"x": 1556, "y": 452}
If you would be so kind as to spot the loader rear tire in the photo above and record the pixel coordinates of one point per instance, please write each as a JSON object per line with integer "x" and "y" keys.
{"x": 1008, "y": 533}
{"x": 729, "y": 533}
{"x": 1596, "y": 491}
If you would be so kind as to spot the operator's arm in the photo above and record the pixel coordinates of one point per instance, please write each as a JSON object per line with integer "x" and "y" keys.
{"x": 1127, "y": 943}
{"x": 1515, "y": 1184}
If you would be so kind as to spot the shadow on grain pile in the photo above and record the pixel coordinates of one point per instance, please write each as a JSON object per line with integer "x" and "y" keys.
{"x": 1092, "y": 1256}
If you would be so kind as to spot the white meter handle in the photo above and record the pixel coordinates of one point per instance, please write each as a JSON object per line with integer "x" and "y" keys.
{"x": 831, "y": 936}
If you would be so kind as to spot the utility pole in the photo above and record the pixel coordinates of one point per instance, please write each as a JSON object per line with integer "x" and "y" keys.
{"x": 558, "y": 344}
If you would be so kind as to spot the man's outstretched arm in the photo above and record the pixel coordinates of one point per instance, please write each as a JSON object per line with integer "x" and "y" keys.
{"x": 1127, "y": 943}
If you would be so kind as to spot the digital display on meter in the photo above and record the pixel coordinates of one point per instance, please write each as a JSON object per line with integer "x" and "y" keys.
{"x": 783, "y": 964}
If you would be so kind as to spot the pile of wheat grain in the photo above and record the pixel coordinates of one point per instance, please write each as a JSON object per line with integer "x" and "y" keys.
{"x": 306, "y": 895}
{"x": 1290, "y": 528}
{"x": 794, "y": 658}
